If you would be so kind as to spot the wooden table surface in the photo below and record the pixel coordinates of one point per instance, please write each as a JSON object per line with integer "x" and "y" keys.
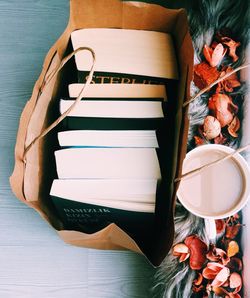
{"x": 34, "y": 262}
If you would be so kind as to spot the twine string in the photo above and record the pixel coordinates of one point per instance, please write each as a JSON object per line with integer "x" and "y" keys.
{"x": 217, "y": 161}
{"x": 198, "y": 170}
{"x": 55, "y": 71}
{"x": 202, "y": 91}
{"x": 77, "y": 100}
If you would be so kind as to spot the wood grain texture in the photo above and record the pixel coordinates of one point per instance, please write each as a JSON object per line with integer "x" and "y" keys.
{"x": 34, "y": 261}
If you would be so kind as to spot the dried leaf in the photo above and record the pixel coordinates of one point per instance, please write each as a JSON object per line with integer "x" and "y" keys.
{"x": 214, "y": 56}
{"x": 221, "y": 106}
{"x": 234, "y": 126}
{"x": 212, "y": 128}
{"x": 198, "y": 250}
{"x": 204, "y": 75}
{"x": 233, "y": 248}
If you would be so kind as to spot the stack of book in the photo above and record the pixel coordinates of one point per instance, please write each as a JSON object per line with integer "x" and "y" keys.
{"x": 108, "y": 167}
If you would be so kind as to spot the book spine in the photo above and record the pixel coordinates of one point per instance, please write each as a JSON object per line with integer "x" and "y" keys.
{"x": 119, "y": 78}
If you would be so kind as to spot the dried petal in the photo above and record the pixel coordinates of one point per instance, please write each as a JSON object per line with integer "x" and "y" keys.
{"x": 212, "y": 269}
{"x": 235, "y": 280}
{"x": 209, "y": 273}
{"x": 226, "y": 283}
{"x": 233, "y": 248}
{"x": 234, "y": 126}
{"x": 180, "y": 248}
{"x": 233, "y": 45}
{"x": 236, "y": 290}
{"x": 221, "y": 277}
{"x": 212, "y": 127}
{"x": 214, "y": 56}
{"x": 229, "y": 83}
{"x": 215, "y": 266}
{"x": 199, "y": 141}
{"x": 219, "y": 291}
{"x": 184, "y": 257}
{"x": 205, "y": 75}
{"x": 221, "y": 106}
{"x": 235, "y": 264}
{"x": 198, "y": 250}
{"x": 220, "y": 139}
{"x": 199, "y": 280}
{"x": 232, "y": 231}
{"x": 217, "y": 255}
{"x": 197, "y": 289}
{"x": 220, "y": 226}
{"x": 182, "y": 251}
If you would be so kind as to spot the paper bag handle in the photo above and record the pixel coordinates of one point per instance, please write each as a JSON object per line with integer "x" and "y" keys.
{"x": 77, "y": 100}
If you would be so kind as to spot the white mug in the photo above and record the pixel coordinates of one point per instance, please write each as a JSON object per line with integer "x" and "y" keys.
{"x": 218, "y": 191}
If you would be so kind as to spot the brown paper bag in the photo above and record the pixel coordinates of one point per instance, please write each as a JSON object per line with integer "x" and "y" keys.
{"x": 31, "y": 180}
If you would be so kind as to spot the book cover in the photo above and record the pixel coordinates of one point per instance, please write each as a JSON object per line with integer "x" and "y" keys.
{"x": 91, "y": 218}
{"x": 108, "y": 77}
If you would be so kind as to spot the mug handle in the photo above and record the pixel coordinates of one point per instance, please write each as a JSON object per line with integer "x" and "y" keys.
{"x": 210, "y": 228}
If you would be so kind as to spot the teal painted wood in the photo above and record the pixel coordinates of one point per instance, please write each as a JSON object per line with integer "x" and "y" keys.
{"x": 34, "y": 262}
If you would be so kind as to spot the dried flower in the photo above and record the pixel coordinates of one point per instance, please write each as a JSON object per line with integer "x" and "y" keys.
{"x": 212, "y": 127}
{"x": 222, "y": 107}
{"x": 214, "y": 56}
